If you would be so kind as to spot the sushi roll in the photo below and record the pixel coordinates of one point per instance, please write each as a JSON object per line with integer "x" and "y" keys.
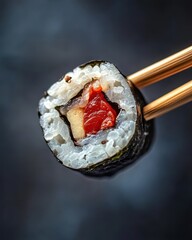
{"x": 92, "y": 120}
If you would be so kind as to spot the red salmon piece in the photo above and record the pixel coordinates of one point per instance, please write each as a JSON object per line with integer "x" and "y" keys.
{"x": 98, "y": 114}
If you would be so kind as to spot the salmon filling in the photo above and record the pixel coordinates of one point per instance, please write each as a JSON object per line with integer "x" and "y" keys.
{"x": 97, "y": 114}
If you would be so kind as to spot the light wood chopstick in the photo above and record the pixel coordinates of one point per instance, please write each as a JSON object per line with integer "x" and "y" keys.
{"x": 169, "y": 101}
{"x": 160, "y": 70}
{"x": 163, "y": 69}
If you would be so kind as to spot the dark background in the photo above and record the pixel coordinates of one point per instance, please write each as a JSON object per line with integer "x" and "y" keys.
{"x": 39, "y": 42}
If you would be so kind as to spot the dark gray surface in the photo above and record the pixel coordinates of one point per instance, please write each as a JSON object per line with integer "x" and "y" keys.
{"x": 42, "y": 40}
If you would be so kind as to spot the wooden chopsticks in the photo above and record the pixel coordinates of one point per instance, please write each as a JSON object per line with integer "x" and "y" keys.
{"x": 160, "y": 70}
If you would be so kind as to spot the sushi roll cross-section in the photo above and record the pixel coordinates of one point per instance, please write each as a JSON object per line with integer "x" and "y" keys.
{"x": 92, "y": 120}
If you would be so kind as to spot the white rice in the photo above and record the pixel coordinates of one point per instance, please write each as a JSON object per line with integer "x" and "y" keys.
{"x": 104, "y": 144}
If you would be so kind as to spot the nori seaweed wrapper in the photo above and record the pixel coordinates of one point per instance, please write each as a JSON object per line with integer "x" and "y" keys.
{"x": 137, "y": 146}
